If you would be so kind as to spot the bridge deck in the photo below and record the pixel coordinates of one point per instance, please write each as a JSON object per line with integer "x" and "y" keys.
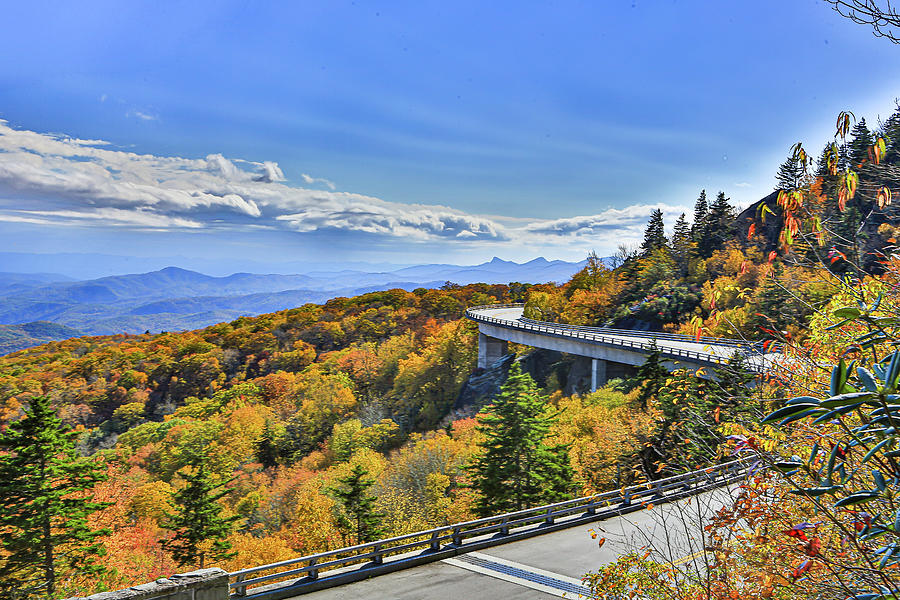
{"x": 506, "y": 322}
{"x": 550, "y": 565}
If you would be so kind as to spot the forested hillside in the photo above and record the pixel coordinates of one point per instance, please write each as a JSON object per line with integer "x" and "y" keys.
{"x": 283, "y": 406}
{"x": 290, "y": 414}
{"x": 174, "y": 299}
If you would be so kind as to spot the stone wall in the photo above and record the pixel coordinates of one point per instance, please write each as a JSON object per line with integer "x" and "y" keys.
{"x": 205, "y": 584}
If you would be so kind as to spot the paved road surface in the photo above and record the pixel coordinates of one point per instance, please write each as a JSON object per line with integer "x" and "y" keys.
{"x": 547, "y": 566}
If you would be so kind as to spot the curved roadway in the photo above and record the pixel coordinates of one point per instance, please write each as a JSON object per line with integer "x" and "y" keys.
{"x": 552, "y": 565}
{"x": 682, "y": 348}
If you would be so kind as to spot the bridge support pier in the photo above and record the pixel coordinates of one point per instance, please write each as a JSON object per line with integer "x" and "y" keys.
{"x": 598, "y": 373}
{"x": 490, "y": 350}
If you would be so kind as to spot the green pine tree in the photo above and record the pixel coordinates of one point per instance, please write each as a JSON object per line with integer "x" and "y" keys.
{"x": 790, "y": 174}
{"x": 720, "y": 226}
{"x": 515, "y": 468}
{"x": 693, "y": 408}
{"x": 687, "y": 435}
{"x": 654, "y": 235}
{"x": 682, "y": 244}
{"x": 776, "y": 306}
{"x": 830, "y": 153}
{"x": 891, "y": 134}
{"x": 701, "y": 211}
{"x": 650, "y": 377}
{"x": 731, "y": 387}
{"x": 200, "y": 529}
{"x": 267, "y": 447}
{"x": 44, "y": 505}
{"x": 860, "y": 143}
{"x": 357, "y": 516}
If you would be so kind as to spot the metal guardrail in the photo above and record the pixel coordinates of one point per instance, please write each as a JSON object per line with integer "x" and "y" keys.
{"x": 434, "y": 544}
{"x": 675, "y": 337}
{"x": 594, "y": 335}
{"x": 681, "y": 337}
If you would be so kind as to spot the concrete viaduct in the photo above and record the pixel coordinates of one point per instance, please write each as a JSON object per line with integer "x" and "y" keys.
{"x": 499, "y": 324}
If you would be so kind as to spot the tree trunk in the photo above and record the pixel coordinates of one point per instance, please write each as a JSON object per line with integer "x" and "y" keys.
{"x": 49, "y": 572}
{"x": 47, "y": 542}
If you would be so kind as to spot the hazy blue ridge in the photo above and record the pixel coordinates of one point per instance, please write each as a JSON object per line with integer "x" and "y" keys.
{"x": 175, "y": 299}
{"x": 25, "y": 335}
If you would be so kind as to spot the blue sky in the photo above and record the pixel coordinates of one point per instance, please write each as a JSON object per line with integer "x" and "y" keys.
{"x": 406, "y": 132}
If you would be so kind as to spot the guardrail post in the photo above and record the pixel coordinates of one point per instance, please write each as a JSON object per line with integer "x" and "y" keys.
{"x": 313, "y": 573}
{"x": 457, "y": 538}
{"x": 549, "y": 518}
{"x": 659, "y": 492}
{"x": 592, "y": 507}
{"x": 379, "y": 555}
{"x": 504, "y": 526}
{"x": 626, "y": 499}
{"x": 240, "y": 590}
{"x": 435, "y": 544}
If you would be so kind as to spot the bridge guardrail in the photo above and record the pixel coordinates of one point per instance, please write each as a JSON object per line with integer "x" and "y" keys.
{"x": 677, "y": 337}
{"x": 681, "y": 337}
{"x": 459, "y": 537}
{"x": 592, "y": 335}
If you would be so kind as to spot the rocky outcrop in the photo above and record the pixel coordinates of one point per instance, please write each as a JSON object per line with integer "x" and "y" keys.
{"x": 481, "y": 387}
{"x": 766, "y": 234}
{"x": 572, "y": 375}
{"x": 205, "y": 584}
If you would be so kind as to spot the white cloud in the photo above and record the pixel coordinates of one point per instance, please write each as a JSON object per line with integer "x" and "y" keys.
{"x": 611, "y": 219}
{"x": 370, "y": 215}
{"x": 87, "y": 177}
{"x": 57, "y": 180}
{"x": 743, "y": 184}
{"x": 271, "y": 173}
{"x": 115, "y": 217}
{"x": 143, "y": 116}
{"x": 309, "y": 180}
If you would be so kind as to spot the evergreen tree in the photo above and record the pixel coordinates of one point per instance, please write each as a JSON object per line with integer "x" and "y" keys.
{"x": 891, "y": 134}
{"x": 682, "y": 244}
{"x": 655, "y": 234}
{"x": 200, "y": 529}
{"x": 721, "y": 226}
{"x": 776, "y": 306}
{"x": 859, "y": 145}
{"x": 687, "y": 435}
{"x": 842, "y": 225}
{"x": 515, "y": 468}
{"x": 829, "y": 181}
{"x": 692, "y": 409}
{"x": 822, "y": 161}
{"x": 358, "y": 516}
{"x": 790, "y": 174}
{"x": 267, "y": 448}
{"x": 44, "y": 533}
{"x": 731, "y": 385}
{"x": 650, "y": 376}
{"x": 701, "y": 212}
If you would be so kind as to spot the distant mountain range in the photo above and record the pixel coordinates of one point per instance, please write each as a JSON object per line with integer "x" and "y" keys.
{"x": 41, "y": 307}
{"x": 17, "y": 337}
